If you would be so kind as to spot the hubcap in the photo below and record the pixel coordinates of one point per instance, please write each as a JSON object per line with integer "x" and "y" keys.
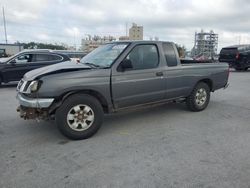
{"x": 201, "y": 97}
{"x": 80, "y": 117}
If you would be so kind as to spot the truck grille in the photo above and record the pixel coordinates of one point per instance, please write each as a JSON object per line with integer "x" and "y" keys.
{"x": 23, "y": 86}
{"x": 21, "y": 82}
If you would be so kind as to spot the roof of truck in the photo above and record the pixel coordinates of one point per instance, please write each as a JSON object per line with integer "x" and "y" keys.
{"x": 238, "y": 46}
{"x": 139, "y": 41}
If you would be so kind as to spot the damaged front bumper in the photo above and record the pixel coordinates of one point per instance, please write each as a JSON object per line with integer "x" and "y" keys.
{"x": 34, "y": 102}
{"x": 33, "y": 108}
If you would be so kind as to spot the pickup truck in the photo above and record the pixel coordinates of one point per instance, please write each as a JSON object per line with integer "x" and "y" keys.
{"x": 114, "y": 77}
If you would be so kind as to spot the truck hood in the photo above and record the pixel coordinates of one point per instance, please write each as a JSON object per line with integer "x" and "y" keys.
{"x": 67, "y": 66}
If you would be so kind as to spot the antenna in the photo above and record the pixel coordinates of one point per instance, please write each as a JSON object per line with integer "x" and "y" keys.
{"x": 4, "y": 23}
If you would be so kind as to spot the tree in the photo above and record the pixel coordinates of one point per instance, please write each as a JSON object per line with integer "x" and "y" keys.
{"x": 35, "y": 45}
{"x": 181, "y": 50}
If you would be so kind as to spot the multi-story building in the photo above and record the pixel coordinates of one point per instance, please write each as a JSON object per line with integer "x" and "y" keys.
{"x": 205, "y": 44}
{"x": 136, "y": 32}
{"x": 91, "y": 43}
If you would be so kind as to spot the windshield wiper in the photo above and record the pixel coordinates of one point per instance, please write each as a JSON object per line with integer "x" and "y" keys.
{"x": 92, "y": 65}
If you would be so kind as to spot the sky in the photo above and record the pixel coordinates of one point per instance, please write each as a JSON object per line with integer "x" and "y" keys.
{"x": 68, "y": 21}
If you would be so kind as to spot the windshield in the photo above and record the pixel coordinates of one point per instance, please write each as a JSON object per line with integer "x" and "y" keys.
{"x": 105, "y": 55}
{"x": 5, "y": 59}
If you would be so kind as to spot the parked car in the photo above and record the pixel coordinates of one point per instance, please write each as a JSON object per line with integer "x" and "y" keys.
{"x": 14, "y": 67}
{"x": 237, "y": 56}
{"x": 73, "y": 55}
{"x": 114, "y": 77}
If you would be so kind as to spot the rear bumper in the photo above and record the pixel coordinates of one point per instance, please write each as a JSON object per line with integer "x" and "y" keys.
{"x": 34, "y": 102}
{"x": 239, "y": 64}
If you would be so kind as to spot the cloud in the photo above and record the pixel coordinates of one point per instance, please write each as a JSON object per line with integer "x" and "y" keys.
{"x": 72, "y": 32}
{"x": 21, "y": 15}
{"x": 43, "y": 37}
{"x": 173, "y": 20}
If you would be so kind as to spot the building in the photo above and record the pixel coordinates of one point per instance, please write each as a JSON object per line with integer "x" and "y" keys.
{"x": 90, "y": 43}
{"x": 10, "y": 49}
{"x": 205, "y": 44}
{"x": 136, "y": 32}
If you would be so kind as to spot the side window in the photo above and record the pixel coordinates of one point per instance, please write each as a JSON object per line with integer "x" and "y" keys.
{"x": 143, "y": 57}
{"x": 42, "y": 57}
{"x": 24, "y": 58}
{"x": 169, "y": 54}
{"x": 55, "y": 58}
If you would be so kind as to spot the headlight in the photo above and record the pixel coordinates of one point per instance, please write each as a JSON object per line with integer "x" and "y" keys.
{"x": 34, "y": 86}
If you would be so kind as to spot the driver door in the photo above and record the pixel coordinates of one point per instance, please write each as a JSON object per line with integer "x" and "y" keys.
{"x": 16, "y": 68}
{"x": 143, "y": 82}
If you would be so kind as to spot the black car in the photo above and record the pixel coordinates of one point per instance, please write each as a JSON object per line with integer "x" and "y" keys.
{"x": 14, "y": 67}
{"x": 237, "y": 56}
{"x": 73, "y": 55}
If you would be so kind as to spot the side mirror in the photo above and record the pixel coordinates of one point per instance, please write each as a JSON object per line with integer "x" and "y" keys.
{"x": 13, "y": 62}
{"x": 126, "y": 64}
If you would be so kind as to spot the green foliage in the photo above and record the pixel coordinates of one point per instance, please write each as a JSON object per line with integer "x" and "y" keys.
{"x": 35, "y": 45}
{"x": 181, "y": 50}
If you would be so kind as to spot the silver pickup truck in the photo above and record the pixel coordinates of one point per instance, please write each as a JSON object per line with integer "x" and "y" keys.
{"x": 116, "y": 76}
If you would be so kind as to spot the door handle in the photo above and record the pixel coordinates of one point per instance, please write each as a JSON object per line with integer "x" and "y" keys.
{"x": 159, "y": 74}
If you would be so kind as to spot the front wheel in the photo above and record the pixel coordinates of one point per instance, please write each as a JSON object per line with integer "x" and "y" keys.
{"x": 199, "y": 98}
{"x": 79, "y": 117}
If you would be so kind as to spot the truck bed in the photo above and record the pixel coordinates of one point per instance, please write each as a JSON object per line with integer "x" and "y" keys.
{"x": 188, "y": 61}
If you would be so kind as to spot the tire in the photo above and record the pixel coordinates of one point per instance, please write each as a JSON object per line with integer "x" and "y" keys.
{"x": 79, "y": 117}
{"x": 246, "y": 69}
{"x": 199, "y": 98}
{"x": 0, "y": 81}
{"x": 239, "y": 69}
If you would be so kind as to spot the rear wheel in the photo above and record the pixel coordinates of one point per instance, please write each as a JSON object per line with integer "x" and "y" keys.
{"x": 238, "y": 69}
{"x": 199, "y": 98}
{"x": 0, "y": 81}
{"x": 79, "y": 117}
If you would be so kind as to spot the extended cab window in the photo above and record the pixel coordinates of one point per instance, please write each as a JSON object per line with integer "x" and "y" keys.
{"x": 143, "y": 57}
{"x": 169, "y": 54}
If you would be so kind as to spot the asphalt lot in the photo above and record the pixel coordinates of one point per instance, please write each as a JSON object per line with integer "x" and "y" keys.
{"x": 164, "y": 146}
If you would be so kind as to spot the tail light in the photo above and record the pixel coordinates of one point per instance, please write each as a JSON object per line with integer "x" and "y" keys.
{"x": 237, "y": 55}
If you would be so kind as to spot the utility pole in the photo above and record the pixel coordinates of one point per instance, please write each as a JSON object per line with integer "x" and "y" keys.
{"x": 126, "y": 29}
{"x": 4, "y": 24}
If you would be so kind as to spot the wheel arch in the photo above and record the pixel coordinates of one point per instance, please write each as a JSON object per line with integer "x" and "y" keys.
{"x": 207, "y": 81}
{"x": 90, "y": 92}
